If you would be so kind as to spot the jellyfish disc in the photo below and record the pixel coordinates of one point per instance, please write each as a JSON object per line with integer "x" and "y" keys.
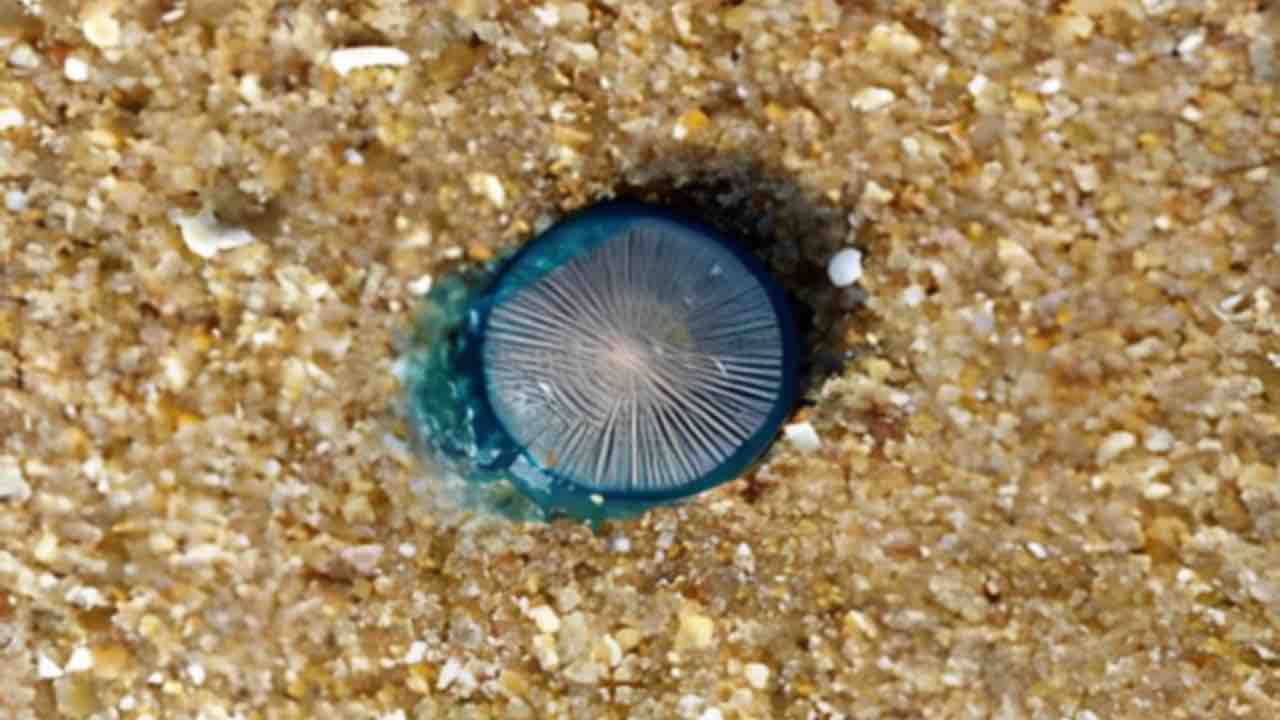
{"x": 635, "y": 356}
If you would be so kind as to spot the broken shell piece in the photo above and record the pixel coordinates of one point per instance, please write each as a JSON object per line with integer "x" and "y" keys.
{"x": 206, "y": 237}
{"x": 355, "y": 58}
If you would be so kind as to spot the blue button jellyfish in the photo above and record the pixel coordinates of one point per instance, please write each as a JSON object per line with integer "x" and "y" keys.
{"x": 625, "y": 358}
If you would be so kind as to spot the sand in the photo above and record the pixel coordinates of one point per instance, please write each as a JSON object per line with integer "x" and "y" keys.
{"x": 1048, "y": 414}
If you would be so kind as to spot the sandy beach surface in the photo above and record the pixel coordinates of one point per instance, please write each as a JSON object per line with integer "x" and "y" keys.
{"x": 1045, "y": 479}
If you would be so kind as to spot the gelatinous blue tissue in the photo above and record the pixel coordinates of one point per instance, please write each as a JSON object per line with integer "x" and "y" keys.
{"x": 625, "y": 358}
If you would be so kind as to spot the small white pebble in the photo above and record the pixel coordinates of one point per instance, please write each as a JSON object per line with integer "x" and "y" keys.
{"x": 489, "y": 186}
{"x": 876, "y": 194}
{"x": 407, "y": 550}
{"x": 13, "y": 484}
{"x": 250, "y": 88}
{"x": 197, "y": 555}
{"x": 845, "y": 267}
{"x": 417, "y": 653}
{"x": 346, "y": 60}
{"x": 1113, "y": 445}
{"x": 11, "y": 118}
{"x": 1037, "y": 550}
{"x": 86, "y": 597}
{"x": 1051, "y": 85}
{"x": 197, "y": 674}
{"x": 100, "y": 27}
{"x": 22, "y": 56}
{"x": 1086, "y": 176}
{"x": 802, "y": 436}
{"x": 548, "y": 15}
{"x": 1264, "y": 591}
{"x": 206, "y": 237}
{"x": 420, "y": 286}
{"x": 75, "y": 69}
{"x": 81, "y": 659}
{"x": 696, "y": 631}
{"x": 1157, "y": 491}
{"x": 1189, "y": 44}
{"x": 363, "y": 558}
{"x": 575, "y": 13}
{"x": 15, "y": 201}
{"x": 47, "y": 669}
{"x": 352, "y": 156}
{"x": 453, "y": 671}
{"x": 175, "y": 369}
{"x": 892, "y": 39}
{"x": 912, "y": 295}
{"x": 1158, "y": 440}
{"x": 545, "y": 618}
{"x": 1192, "y": 114}
{"x": 978, "y": 84}
{"x": 711, "y": 714}
{"x": 128, "y": 703}
{"x": 544, "y": 651}
{"x": 613, "y": 651}
{"x": 689, "y": 704}
{"x": 757, "y": 675}
{"x": 584, "y": 52}
{"x": 1229, "y": 303}
{"x": 620, "y": 544}
{"x": 872, "y": 99}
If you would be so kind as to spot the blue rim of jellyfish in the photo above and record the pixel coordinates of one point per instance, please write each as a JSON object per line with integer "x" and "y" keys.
{"x": 449, "y": 397}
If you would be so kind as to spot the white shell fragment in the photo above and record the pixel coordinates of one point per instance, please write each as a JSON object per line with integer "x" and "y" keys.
{"x": 13, "y": 486}
{"x": 100, "y": 28}
{"x": 545, "y": 618}
{"x": 356, "y": 58}
{"x": 1115, "y": 444}
{"x": 11, "y": 118}
{"x": 47, "y": 669}
{"x": 75, "y": 69}
{"x": 802, "y": 436}
{"x": 872, "y": 99}
{"x": 757, "y": 675}
{"x": 417, "y": 653}
{"x": 845, "y": 267}
{"x": 421, "y": 286}
{"x": 81, "y": 659}
{"x": 206, "y": 237}
{"x": 363, "y": 558}
{"x": 489, "y": 186}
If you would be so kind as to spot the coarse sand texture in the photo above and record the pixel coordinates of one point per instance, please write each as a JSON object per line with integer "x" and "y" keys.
{"x": 1028, "y": 469}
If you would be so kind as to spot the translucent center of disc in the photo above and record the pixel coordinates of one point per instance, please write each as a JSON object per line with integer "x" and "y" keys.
{"x": 639, "y": 365}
